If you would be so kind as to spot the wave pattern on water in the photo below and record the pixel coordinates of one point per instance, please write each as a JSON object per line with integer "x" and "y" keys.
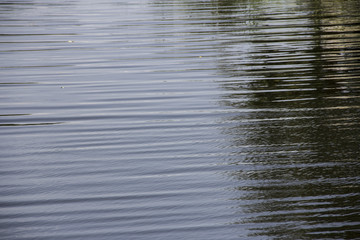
{"x": 301, "y": 73}
{"x": 180, "y": 119}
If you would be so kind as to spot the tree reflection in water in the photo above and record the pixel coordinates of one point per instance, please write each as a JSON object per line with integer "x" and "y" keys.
{"x": 292, "y": 69}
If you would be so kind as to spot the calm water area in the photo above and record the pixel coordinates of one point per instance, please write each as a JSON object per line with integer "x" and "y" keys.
{"x": 179, "y": 119}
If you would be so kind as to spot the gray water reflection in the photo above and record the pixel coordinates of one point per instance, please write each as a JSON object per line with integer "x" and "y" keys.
{"x": 108, "y": 119}
{"x": 180, "y": 119}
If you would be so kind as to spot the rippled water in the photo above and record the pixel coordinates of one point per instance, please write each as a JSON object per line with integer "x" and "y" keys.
{"x": 173, "y": 119}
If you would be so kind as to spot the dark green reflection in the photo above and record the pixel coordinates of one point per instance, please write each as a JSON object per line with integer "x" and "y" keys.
{"x": 293, "y": 68}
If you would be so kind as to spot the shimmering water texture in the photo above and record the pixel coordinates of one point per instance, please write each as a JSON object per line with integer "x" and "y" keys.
{"x": 169, "y": 120}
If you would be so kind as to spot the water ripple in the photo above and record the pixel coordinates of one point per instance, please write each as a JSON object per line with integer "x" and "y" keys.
{"x": 179, "y": 120}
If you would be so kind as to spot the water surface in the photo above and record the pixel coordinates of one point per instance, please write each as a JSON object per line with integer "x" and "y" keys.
{"x": 180, "y": 119}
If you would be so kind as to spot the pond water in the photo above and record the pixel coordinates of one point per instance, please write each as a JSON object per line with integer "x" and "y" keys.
{"x": 169, "y": 119}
